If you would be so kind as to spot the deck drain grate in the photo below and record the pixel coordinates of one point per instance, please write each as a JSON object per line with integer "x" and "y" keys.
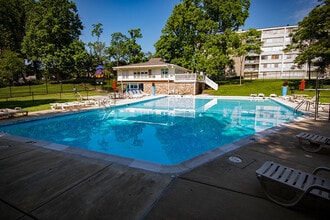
{"x": 235, "y": 159}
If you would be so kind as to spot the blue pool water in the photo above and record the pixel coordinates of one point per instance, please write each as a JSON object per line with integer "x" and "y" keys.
{"x": 165, "y": 131}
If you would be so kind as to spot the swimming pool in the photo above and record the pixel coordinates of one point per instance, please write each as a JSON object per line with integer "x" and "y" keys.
{"x": 165, "y": 131}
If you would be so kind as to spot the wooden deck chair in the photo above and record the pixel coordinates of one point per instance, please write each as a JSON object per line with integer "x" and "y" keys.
{"x": 286, "y": 186}
{"x": 312, "y": 142}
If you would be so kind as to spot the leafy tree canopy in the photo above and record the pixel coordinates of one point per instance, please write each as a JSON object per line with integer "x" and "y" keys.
{"x": 196, "y": 34}
{"x": 312, "y": 39}
{"x": 12, "y": 23}
{"x": 52, "y": 26}
{"x": 244, "y": 43}
{"x": 124, "y": 49}
{"x": 11, "y": 67}
{"x": 97, "y": 48}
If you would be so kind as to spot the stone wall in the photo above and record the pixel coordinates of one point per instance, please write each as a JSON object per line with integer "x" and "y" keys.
{"x": 174, "y": 88}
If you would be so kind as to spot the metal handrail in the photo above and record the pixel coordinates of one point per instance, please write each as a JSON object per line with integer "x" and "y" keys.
{"x": 299, "y": 105}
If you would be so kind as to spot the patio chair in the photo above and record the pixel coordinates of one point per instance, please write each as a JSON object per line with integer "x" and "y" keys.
{"x": 18, "y": 110}
{"x": 23, "y": 111}
{"x": 5, "y": 113}
{"x": 286, "y": 186}
{"x": 312, "y": 142}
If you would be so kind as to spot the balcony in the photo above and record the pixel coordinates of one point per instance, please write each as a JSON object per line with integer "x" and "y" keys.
{"x": 272, "y": 35}
{"x": 269, "y": 61}
{"x": 251, "y": 61}
{"x": 270, "y": 69}
{"x": 250, "y": 70}
{"x": 164, "y": 77}
{"x": 272, "y": 44}
{"x": 185, "y": 77}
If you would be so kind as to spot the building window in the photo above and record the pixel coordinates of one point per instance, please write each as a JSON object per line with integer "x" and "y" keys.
{"x": 164, "y": 73}
{"x": 125, "y": 74}
{"x": 275, "y": 57}
{"x": 263, "y": 57}
{"x": 265, "y": 65}
{"x": 144, "y": 74}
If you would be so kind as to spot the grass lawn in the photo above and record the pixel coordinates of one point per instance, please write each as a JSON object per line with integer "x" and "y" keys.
{"x": 268, "y": 87}
{"x": 41, "y": 102}
{"x": 35, "y": 98}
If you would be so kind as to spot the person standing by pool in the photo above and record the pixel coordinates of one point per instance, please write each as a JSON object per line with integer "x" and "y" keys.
{"x": 153, "y": 89}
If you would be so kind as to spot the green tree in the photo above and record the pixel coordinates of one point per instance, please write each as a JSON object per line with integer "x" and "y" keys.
{"x": 212, "y": 57}
{"x": 11, "y": 67}
{"x": 117, "y": 50}
{"x": 33, "y": 67}
{"x": 147, "y": 56}
{"x": 311, "y": 39}
{"x": 135, "y": 54}
{"x": 244, "y": 43}
{"x": 125, "y": 50}
{"x": 52, "y": 26}
{"x": 182, "y": 35}
{"x": 195, "y": 35}
{"x": 80, "y": 57}
{"x": 12, "y": 23}
{"x": 229, "y": 15}
{"x": 97, "y": 48}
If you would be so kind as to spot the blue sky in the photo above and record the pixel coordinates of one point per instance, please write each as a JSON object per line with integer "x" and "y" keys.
{"x": 151, "y": 16}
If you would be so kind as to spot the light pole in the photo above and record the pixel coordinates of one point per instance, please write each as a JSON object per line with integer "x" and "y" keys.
{"x": 317, "y": 96}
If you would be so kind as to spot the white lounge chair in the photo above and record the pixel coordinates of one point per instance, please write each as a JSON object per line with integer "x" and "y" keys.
{"x": 55, "y": 106}
{"x": 5, "y": 113}
{"x": 17, "y": 110}
{"x": 286, "y": 186}
{"x": 312, "y": 142}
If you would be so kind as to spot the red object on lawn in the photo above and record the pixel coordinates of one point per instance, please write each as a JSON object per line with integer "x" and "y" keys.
{"x": 114, "y": 84}
{"x": 302, "y": 85}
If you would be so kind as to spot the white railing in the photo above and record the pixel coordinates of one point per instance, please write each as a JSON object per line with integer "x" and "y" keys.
{"x": 251, "y": 70}
{"x": 211, "y": 83}
{"x": 185, "y": 77}
{"x": 251, "y": 61}
{"x": 145, "y": 77}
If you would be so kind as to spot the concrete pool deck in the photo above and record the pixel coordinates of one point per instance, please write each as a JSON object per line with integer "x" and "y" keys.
{"x": 39, "y": 183}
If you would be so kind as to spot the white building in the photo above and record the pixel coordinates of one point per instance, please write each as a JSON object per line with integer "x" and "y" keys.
{"x": 273, "y": 62}
{"x": 162, "y": 77}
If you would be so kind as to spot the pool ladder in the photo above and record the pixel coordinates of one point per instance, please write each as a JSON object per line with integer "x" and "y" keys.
{"x": 299, "y": 105}
{"x": 107, "y": 111}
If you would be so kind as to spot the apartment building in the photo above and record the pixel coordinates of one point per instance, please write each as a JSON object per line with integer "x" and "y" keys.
{"x": 273, "y": 62}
